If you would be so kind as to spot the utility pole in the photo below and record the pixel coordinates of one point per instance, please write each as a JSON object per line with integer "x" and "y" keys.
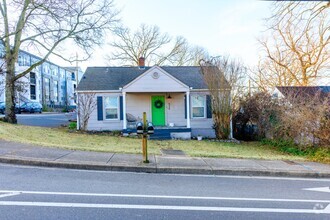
{"x": 77, "y": 98}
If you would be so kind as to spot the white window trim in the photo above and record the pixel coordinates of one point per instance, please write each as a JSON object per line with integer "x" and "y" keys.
{"x": 192, "y": 114}
{"x": 118, "y": 110}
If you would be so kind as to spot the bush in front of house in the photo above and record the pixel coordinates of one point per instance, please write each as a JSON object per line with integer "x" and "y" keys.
{"x": 72, "y": 125}
{"x": 295, "y": 124}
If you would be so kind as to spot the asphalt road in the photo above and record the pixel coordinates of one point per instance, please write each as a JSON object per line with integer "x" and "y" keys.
{"x": 45, "y": 119}
{"x": 51, "y": 193}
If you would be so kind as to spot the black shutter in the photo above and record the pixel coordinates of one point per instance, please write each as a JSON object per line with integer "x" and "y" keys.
{"x": 121, "y": 114}
{"x": 99, "y": 108}
{"x": 208, "y": 107}
{"x": 185, "y": 106}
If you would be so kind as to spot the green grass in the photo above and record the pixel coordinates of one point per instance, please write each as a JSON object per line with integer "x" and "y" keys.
{"x": 64, "y": 138}
{"x": 319, "y": 154}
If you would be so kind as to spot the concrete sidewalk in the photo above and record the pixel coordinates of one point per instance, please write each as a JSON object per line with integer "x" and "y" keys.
{"x": 16, "y": 153}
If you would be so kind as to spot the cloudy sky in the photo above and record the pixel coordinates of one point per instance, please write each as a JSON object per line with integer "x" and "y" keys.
{"x": 220, "y": 26}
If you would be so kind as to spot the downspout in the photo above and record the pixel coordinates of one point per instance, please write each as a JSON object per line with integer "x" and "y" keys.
{"x": 77, "y": 110}
{"x": 42, "y": 84}
{"x": 77, "y": 101}
{"x": 66, "y": 90}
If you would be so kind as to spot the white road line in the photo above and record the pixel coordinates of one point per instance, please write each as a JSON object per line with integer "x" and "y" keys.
{"x": 161, "y": 207}
{"x": 9, "y": 194}
{"x": 327, "y": 209}
{"x": 319, "y": 189}
{"x": 164, "y": 196}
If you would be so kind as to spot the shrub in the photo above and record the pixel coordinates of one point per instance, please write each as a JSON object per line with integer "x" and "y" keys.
{"x": 286, "y": 146}
{"x": 45, "y": 108}
{"x": 321, "y": 155}
{"x": 72, "y": 125}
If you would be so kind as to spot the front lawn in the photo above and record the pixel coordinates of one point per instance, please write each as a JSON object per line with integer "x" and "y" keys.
{"x": 63, "y": 138}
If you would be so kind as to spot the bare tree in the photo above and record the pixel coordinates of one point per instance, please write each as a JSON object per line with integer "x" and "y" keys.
{"x": 297, "y": 49}
{"x": 187, "y": 55}
{"x": 86, "y": 105}
{"x": 156, "y": 47}
{"x": 46, "y": 26}
{"x": 2, "y": 81}
{"x": 224, "y": 78}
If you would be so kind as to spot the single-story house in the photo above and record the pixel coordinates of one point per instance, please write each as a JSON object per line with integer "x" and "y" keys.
{"x": 301, "y": 91}
{"x": 175, "y": 98}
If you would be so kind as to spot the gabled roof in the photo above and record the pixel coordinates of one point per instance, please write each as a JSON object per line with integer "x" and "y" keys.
{"x": 113, "y": 78}
{"x": 304, "y": 91}
{"x": 72, "y": 68}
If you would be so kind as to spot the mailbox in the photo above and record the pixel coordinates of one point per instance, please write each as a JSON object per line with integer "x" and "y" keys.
{"x": 139, "y": 128}
{"x": 150, "y": 128}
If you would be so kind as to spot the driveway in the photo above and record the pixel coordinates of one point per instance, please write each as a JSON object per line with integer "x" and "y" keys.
{"x": 46, "y": 119}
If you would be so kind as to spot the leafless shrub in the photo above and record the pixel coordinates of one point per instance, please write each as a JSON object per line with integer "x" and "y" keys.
{"x": 299, "y": 116}
{"x": 223, "y": 77}
{"x": 261, "y": 110}
{"x": 305, "y": 118}
{"x": 86, "y": 105}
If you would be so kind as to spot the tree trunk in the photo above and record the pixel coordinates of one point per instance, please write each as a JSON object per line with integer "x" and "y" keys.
{"x": 221, "y": 125}
{"x": 10, "y": 115}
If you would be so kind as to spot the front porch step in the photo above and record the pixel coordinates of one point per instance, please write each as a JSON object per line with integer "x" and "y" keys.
{"x": 161, "y": 135}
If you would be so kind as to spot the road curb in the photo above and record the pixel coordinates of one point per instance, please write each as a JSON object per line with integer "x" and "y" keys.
{"x": 167, "y": 170}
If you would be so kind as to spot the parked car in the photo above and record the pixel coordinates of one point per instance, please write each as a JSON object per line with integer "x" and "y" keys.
{"x": 31, "y": 107}
{"x": 3, "y": 108}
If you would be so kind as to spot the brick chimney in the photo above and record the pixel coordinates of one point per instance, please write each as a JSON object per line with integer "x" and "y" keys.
{"x": 141, "y": 63}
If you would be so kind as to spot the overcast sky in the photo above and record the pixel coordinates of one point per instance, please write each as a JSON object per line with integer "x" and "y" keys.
{"x": 220, "y": 26}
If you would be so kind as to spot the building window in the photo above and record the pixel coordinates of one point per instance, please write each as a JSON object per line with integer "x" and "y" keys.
{"x": 56, "y": 91}
{"x": 73, "y": 76}
{"x": 20, "y": 60}
{"x": 198, "y": 104}
{"x": 44, "y": 68}
{"x": 62, "y": 73}
{"x": 32, "y": 92}
{"x": 47, "y": 89}
{"x": 111, "y": 107}
{"x": 26, "y": 59}
{"x": 32, "y": 78}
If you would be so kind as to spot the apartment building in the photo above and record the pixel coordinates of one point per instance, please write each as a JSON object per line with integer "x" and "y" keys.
{"x": 49, "y": 83}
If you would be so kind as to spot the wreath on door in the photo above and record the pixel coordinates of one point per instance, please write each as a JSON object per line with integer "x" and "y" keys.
{"x": 159, "y": 104}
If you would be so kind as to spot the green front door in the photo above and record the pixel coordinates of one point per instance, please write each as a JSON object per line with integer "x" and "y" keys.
{"x": 158, "y": 110}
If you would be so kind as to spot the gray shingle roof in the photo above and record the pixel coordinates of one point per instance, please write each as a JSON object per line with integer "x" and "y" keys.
{"x": 304, "y": 91}
{"x": 112, "y": 78}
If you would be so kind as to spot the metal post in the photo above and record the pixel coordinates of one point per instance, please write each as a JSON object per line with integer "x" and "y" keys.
{"x": 144, "y": 139}
{"x": 77, "y": 98}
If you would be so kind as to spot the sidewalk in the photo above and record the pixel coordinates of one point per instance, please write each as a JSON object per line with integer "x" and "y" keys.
{"x": 16, "y": 153}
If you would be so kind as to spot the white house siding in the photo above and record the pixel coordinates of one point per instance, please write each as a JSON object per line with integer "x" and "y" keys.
{"x": 155, "y": 80}
{"x": 137, "y": 103}
{"x": 175, "y": 110}
{"x": 201, "y": 126}
{"x": 95, "y": 125}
